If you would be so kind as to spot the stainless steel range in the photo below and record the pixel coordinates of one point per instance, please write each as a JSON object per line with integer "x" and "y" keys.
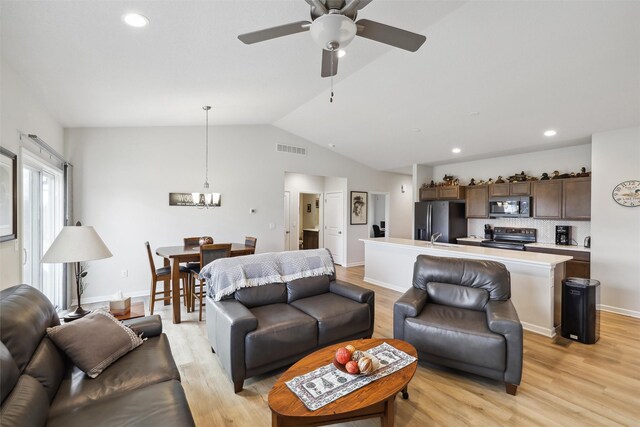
{"x": 511, "y": 238}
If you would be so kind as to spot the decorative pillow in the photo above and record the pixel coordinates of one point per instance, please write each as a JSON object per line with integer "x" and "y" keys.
{"x": 95, "y": 341}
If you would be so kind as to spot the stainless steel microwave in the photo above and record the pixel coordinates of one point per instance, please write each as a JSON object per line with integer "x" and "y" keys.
{"x": 510, "y": 207}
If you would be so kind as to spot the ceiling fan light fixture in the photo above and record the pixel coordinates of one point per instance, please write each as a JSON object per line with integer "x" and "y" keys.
{"x": 333, "y": 31}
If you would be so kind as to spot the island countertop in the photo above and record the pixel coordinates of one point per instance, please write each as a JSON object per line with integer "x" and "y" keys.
{"x": 499, "y": 255}
{"x": 536, "y": 278}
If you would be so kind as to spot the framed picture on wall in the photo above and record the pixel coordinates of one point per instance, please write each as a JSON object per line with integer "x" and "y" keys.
{"x": 8, "y": 196}
{"x": 359, "y": 207}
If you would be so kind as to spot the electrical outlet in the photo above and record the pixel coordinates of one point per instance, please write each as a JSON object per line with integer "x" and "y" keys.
{"x": 124, "y": 273}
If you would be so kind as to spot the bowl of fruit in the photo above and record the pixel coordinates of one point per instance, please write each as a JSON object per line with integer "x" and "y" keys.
{"x": 355, "y": 362}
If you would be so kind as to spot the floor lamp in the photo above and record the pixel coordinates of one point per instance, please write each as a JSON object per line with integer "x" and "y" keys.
{"x": 76, "y": 244}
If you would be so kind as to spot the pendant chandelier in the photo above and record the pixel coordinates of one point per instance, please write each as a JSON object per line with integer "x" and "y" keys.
{"x": 206, "y": 199}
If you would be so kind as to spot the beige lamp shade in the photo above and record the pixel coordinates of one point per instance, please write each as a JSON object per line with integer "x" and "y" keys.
{"x": 76, "y": 244}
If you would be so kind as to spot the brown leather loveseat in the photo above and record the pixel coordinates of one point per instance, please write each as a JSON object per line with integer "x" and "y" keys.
{"x": 39, "y": 385}
{"x": 266, "y": 327}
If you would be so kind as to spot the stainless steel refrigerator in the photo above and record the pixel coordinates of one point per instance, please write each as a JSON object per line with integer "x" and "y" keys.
{"x": 446, "y": 217}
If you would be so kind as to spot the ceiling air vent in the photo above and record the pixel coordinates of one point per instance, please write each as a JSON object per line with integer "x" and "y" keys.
{"x": 291, "y": 149}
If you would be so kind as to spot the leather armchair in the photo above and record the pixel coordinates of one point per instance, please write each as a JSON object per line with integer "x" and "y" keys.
{"x": 458, "y": 313}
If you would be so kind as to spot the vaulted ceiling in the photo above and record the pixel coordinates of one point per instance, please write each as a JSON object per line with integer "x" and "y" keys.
{"x": 490, "y": 79}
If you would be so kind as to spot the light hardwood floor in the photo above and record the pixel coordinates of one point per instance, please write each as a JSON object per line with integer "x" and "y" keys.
{"x": 564, "y": 383}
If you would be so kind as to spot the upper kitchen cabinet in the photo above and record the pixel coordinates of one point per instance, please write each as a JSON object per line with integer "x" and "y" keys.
{"x": 509, "y": 189}
{"x": 450, "y": 192}
{"x": 477, "y": 201}
{"x": 576, "y": 198}
{"x": 562, "y": 199}
{"x": 547, "y": 199}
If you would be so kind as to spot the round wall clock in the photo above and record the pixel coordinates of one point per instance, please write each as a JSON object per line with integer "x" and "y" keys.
{"x": 627, "y": 193}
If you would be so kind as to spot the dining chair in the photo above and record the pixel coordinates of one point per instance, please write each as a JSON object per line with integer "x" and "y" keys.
{"x": 208, "y": 253}
{"x": 160, "y": 275}
{"x": 251, "y": 241}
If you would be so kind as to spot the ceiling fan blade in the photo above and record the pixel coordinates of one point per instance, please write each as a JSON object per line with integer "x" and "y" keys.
{"x": 274, "y": 32}
{"x": 390, "y": 35}
{"x": 327, "y": 70}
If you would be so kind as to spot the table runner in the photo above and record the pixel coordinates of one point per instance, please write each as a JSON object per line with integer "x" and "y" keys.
{"x": 327, "y": 383}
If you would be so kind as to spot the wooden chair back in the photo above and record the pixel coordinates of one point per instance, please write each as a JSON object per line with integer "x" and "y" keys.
{"x": 210, "y": 253}
{"x": 250, "y": 241}
{"x": 152, "y": 263}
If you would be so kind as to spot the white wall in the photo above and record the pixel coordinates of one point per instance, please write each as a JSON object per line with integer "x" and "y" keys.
{"x": 615, "y": 253}
{"x": 21, "y": 111}
{"x": 123, "y": 177}
{"x": 566, "y": 159}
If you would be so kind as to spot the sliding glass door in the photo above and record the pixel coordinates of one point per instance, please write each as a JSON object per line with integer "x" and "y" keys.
{"x": 42, "y": 220}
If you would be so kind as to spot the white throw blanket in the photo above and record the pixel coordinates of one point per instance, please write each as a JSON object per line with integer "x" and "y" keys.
{"x": 224, "y": 276}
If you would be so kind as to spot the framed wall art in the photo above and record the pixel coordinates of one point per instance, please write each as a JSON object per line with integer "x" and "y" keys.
{"x": 359, "y": 207}
{"x": 8, "y": 196}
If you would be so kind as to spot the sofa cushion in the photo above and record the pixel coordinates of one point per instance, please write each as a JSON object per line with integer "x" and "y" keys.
{"x": 338, "y": 317}
{"x": 26, "y": 404}
{"x": 148, "y": 364}
{"x": 282, "y": 331}
{"x": 26, "y": 315}
{"x": 457, "y": 296}
{"x": 9, "y": 372}
{"x": 48, "y": 365}
{"x": 256, "y": 296}
{"x": 162, "y": 404}
{"x": 95, "y": 341}
{"x": 307, "y": 287}
{"x": 457, "y": 334}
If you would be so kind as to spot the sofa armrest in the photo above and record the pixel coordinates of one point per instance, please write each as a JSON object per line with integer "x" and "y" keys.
{"x": 148, "y": 326}
{"x": 228, "y": 323}
{"x": 351, "y": 291}
{"x": 502, "y": 319}
{"x": 410, "y": 304}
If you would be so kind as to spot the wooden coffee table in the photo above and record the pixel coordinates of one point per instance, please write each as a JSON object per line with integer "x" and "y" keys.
{"x": 376, "y": 399}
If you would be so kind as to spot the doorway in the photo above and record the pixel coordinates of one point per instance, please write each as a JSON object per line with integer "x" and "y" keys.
{"x": 42, "y": 220}
{"x": 379, "y": 214}
{"x": 309, "y": 221}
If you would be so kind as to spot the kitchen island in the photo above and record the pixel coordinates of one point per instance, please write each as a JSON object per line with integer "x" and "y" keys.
{"x": 536, "y": 278}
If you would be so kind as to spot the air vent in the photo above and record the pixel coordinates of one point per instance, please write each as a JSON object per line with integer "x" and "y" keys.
{"x": 291, "y": 149}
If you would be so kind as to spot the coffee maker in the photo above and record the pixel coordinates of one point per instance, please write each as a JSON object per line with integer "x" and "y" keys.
{"x": 563, "y": 235}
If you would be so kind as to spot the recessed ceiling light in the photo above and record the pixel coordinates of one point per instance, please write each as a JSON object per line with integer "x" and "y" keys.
{"x": 550, "y": 132}
{"x": 456, "y": 150}
{"x": 341, "y": 53}
{"x": 135, "y": 20}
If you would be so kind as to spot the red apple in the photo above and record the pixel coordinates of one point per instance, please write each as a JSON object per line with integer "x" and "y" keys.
{"x": 343, "y": 355}
{"x": 352, "y": 367}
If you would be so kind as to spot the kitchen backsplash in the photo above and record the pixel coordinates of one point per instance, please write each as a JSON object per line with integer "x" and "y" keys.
{"x": 546, "y": 228}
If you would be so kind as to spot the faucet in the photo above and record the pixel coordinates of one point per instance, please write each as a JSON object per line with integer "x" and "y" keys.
{"x": 434, "y": 237}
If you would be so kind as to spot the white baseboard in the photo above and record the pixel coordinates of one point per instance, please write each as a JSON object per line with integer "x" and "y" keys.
{"x": 354, "y": 264}
{"x": 538, "y": 329}
{"x": 622, "y": 311}
{"x": 385, "y": 285}
{"x": 105, "y": 298}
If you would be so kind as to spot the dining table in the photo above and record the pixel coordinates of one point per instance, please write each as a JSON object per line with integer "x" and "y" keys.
{"x": 174, "y": 255}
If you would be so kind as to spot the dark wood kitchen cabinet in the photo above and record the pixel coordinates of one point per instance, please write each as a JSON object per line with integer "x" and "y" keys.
{"x": 562, "y": 199}
{"x": 547, "y": 199}
{"x": 510, "y": 189}
{"x": 576, "y": 198}
{"x": 477, "y": 201}
{"x": 449, "y": 192}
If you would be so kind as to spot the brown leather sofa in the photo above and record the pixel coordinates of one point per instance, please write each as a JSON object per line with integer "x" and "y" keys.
{"x": 39, "y": 385}
{"x": 458, "y": 314}
{"x": 266, "y": 327}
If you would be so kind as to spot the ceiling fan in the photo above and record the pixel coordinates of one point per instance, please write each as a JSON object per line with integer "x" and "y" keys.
{"x": 334, "y": 27}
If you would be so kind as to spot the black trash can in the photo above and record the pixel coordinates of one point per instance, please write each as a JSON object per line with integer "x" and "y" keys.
{"x": 580, "y": 313}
